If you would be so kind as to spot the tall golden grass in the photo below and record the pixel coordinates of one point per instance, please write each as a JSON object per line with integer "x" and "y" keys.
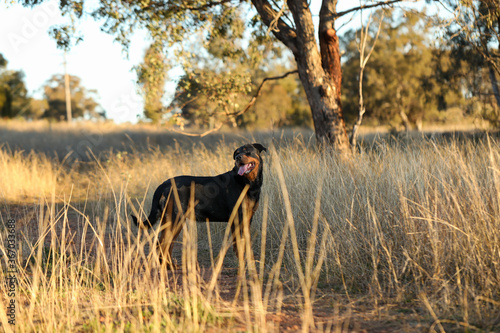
{"x": 406, "y": 224}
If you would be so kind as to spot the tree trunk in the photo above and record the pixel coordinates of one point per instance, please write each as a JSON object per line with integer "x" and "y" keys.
{"x": 321, "y": 77}
{"x": 494, "y": 83}
{"x": 319, "y": 73}
{"x": 404, "y": 118}
{"x": 324, "y": 100}
{"x": 67, "y": 92}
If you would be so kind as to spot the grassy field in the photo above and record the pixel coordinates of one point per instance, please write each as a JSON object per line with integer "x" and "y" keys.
{"x": 404, "y": 237}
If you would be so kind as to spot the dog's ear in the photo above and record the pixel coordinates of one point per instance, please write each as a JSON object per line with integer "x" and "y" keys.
{"x": 235, "y": 153}
{"x": 259, "y": 147}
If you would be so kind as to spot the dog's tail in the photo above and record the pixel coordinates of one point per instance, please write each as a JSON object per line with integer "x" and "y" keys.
{"x": 155, "y": 213}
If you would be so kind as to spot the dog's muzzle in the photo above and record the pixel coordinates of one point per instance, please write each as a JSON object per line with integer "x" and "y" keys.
{"x": 243, "y": 169}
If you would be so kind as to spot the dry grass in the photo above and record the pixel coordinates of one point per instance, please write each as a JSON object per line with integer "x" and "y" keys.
{"x": 408, "y": 233}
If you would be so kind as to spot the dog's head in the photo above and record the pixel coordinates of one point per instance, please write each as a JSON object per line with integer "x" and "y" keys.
{"x": 248, "y": 161}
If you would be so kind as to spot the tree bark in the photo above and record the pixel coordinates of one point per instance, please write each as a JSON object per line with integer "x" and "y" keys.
{"x": 67, "y": 92}
{"x": 494, "y": 83}
{"x": 320, "y": 74}
{"x": 404, "y": 118}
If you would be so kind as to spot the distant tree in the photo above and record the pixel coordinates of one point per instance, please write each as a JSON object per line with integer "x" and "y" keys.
{"x": 465, "y": 68}
{"x": 82, "y": 100}
{"x": 220, "y": 79}
{"x": 14, "y": 100}
{"x": 151, "y": 77}
{"x": 476, "y": 27}
{"x": 281, "y": 103}
{"x": 401, "y": 80}
{"x": 37, "y": 108}
{"x": 3, "y": 62}
{"x": 205, "y": 96}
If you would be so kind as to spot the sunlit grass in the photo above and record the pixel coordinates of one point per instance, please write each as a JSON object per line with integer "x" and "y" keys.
{"x": 406, "y": 224}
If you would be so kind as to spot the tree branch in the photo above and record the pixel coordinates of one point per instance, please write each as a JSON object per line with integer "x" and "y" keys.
{"x": 271, "y": 18}
{"x": 274, "y": 23}
{"x": 257, "y": 94}
{"x": 209, "y": 4}
{"x": 199, "y": 135}
{"x": 181, "y": 7}
{"x": 378, "y": 4}
{"x": 363, "y": 60}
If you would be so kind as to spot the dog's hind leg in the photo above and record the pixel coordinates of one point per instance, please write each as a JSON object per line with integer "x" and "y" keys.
{"x": 242, "y": 222}
{"x": 170, "y": 229}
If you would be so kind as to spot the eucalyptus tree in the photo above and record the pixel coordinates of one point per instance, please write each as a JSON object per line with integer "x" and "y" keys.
{"x": 83, "y": 100}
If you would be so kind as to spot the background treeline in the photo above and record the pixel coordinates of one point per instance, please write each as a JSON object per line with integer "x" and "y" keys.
{"x": 15, "y": 102}
{"x": 419, "y": 73}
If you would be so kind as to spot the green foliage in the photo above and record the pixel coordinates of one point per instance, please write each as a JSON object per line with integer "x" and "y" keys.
{"x": 3, "y": 62}
{"x": 469, "y": 72}
{"x": 221, "y": 79}
{"x": 281, "y": 103}
{"x": 82, "y": 100}
{"x": 477, "y": 24}
{"x": 151, "y": 76}
{"x": 474, "y": 36}
{"x": 167, "y": 22}
{"x": 37, "y": 108}
{"x": 204, "y": 96}
{"x": 406, "y": 73}
{"x": 65, "y": 36}
{"x": 14, "y": 100}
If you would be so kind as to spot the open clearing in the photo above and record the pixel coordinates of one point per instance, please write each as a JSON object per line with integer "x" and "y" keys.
{"x": 404, "y": 237}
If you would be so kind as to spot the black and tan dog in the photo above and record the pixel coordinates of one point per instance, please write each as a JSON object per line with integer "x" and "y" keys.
{"x": 214, "y": 197}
